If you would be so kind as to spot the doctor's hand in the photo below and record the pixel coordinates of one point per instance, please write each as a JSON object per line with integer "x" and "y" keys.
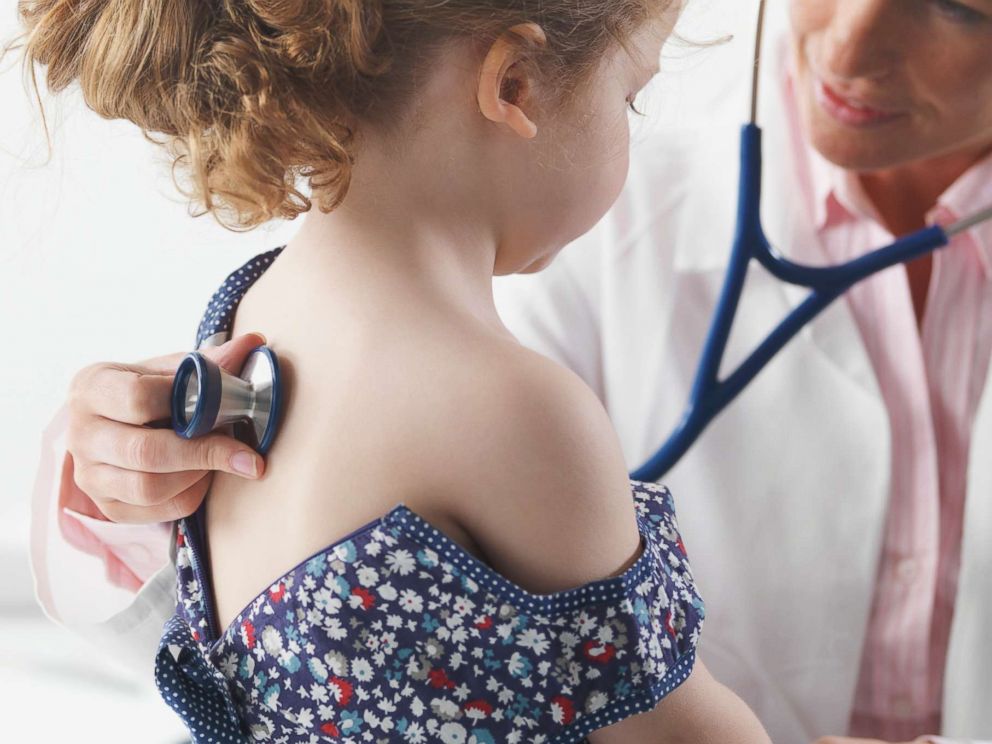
{"x": 127, "y": 462}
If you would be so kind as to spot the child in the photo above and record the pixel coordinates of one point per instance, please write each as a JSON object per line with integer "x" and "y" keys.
{"x": 445, "y": 545}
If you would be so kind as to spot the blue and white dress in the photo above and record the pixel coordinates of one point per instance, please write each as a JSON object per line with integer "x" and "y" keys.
{"x": 395, "y": 633}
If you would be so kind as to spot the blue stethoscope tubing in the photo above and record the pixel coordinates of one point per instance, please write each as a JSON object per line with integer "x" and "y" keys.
{"x": 710, "y": 395}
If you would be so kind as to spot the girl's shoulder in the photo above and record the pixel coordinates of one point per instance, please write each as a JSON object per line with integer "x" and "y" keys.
{"x": 539, "y": 478}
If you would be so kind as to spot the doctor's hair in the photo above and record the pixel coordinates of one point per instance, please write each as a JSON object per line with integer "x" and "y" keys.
{"x": 248, "y": 96}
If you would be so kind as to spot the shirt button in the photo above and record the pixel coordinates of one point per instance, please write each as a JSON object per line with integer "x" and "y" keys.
{"x": 906, "y": 570}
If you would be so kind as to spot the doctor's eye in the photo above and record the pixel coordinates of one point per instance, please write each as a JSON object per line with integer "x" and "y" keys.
{"x": 959, "y": 12}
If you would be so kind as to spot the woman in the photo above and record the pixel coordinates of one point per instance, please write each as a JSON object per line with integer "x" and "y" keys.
{"x": 493, "y": 580}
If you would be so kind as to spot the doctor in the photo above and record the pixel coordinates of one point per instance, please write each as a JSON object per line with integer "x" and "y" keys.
{"x": 839, "y": 513}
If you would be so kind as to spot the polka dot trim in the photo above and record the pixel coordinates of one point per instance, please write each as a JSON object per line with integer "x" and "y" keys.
{"x": 196, "y": 690}
{"x": 219, "y": 315}
{"x": 604, "y": 590}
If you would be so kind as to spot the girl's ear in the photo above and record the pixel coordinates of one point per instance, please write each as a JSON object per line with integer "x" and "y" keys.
{"x": 504, "y": 85}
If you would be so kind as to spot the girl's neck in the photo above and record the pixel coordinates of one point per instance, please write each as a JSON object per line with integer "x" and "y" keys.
{"x": 397, "y": 258}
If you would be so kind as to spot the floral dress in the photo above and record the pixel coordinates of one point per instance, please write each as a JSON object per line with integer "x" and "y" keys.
{"x": 395, "y": 633}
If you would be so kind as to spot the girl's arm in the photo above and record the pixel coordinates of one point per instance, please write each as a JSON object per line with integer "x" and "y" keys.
{"x": 547, "y": 497}
{"x": 699, "y": 711}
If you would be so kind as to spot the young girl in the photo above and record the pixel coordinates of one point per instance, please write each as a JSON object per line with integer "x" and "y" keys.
{"x": 446, "y": 545}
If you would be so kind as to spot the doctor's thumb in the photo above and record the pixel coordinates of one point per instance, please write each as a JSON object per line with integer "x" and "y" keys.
{"x": 231, "y": 355}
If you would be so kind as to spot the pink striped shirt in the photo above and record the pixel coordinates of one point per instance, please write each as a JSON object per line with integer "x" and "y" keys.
{"x": 931, "y": 378}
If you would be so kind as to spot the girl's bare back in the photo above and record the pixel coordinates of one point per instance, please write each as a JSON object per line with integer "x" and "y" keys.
{"x": 370, "y": 420}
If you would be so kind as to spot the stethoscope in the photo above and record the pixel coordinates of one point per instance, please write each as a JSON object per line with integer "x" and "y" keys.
{"x": 709, "y": 395}
{"x": 205, "y": 397}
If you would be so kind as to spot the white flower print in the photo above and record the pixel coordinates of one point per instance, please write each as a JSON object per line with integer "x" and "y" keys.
{"x": 361, "y": 670}
{"x": 584, "y": 623}
{"x": 334, "y": 629}
{"x": 318, "y": 693}
{"x": 272, "y": 640}
{"x": 373, "y": 548}
{"x": 326, "y": 600}
{"x": 453, "y": 733}
{"x": 445, "y": 708}
{"x": 368, "y": 576}
{"x": 304, "y": 718}
{"x": 534, "y": 639}
{"x": 401, "y": 561}
{"x": 596, "y": 700}
{"x": 229, "y": 665}
{"x": 415, "y": 734}
{"x": 411, "y": 601}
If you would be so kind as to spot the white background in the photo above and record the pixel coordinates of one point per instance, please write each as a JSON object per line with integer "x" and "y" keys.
{"x": 100, "y": 261}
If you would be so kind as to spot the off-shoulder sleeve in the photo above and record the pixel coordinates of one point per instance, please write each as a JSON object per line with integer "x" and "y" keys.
{"x": 397, "y": 631}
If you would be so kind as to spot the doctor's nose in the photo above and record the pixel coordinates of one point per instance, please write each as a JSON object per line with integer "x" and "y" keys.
{"x": 862, "y": 40}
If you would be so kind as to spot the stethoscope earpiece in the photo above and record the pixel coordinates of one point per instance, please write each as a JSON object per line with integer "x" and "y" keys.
{"x": 205, "y": 397}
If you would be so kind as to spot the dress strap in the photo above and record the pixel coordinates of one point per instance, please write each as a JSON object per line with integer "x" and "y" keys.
{"x": 215, "y": 325}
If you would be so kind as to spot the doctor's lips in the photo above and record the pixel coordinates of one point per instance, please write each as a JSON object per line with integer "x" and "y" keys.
{"x": 851, "y": 111}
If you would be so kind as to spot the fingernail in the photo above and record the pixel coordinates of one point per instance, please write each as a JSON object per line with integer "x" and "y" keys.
{"x": 261, "y": 336}
{"x": 244, "y": 463}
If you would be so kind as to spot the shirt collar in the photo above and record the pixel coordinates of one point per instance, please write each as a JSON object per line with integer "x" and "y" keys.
{"x": 967, "y": 195}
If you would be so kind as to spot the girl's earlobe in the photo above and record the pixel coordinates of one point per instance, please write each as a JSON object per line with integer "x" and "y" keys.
{"x": 520, "y": 122}
{"x": 502, "y": 56}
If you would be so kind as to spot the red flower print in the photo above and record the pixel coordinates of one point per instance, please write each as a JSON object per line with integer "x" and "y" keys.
{"x": 485, "y": 623}
{"x": 248, "y": 631}
{"x": 278, "y": 593}
{"x": 330, "y": 728}
{"x": 196, "y": 635}
{"x": 341, "y": 689}
{"x": 567, "y": 709}
{"x": 180, "y": 540}
{"x": 682, "y": 546}
{"x": 669, "y": 625}
{"x": 601, "y": 653}
{"x": 438, "y": 678}
{"x": 367, "y": 599}
{"x": 480, "y": 705}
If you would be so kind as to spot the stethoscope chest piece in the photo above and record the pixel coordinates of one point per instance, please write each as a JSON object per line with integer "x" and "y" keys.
{"x": 205, "y": 397}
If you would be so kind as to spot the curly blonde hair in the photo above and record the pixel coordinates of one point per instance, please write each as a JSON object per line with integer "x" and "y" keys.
{"x": 251, "y": 96}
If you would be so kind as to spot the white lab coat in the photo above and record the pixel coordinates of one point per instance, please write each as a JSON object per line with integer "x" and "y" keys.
{"x": 782, "y": 501}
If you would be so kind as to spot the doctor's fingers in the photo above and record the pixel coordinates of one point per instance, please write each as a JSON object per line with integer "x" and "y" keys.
{"x": 127, "y": 393}
{"x": 141, "y": 503}
{"x": 93, "y": 439}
